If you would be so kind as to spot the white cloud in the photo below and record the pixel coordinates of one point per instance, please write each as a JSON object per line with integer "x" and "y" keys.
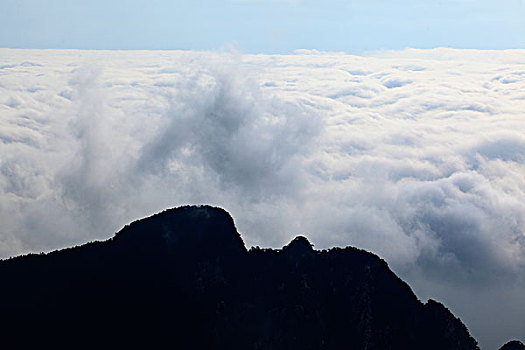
{"x": 417, "y": 155}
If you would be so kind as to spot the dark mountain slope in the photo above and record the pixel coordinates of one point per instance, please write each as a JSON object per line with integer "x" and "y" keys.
{"x": 183, "y": 279}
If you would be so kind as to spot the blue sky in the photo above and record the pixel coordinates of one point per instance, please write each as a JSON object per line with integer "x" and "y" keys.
{"x": 266, "y": 26}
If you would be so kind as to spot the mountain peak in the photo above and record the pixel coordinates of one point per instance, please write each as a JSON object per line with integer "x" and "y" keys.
{"x": 299, "y": 244}
{"x": 183, "y": 278}
{"x": 204, "y": 229}
{"x": 513, "y": 345}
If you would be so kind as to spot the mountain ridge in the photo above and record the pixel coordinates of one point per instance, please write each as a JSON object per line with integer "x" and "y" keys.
{"x": 184, "y": 277}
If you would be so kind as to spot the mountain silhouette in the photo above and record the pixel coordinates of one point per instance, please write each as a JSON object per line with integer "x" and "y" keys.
{"x": 183, "y": 279}
{"x": 513, "y": 345}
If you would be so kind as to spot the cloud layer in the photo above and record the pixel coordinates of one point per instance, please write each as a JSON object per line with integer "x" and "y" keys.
{"x": 417, "y": 155}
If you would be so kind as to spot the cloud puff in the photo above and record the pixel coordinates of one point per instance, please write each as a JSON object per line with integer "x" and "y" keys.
{"x": 417, "y": 155}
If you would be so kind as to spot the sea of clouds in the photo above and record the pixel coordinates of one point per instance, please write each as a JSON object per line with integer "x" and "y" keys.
{"x": 416, "y": 155}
